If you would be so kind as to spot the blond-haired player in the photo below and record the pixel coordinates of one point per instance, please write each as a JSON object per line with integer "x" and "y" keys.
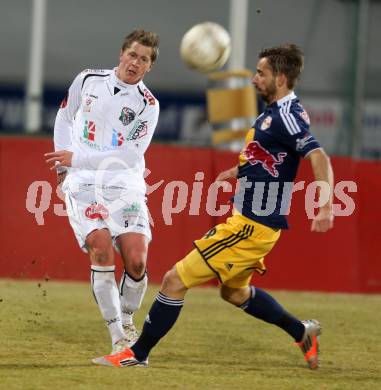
{"x": 102, "y": 130}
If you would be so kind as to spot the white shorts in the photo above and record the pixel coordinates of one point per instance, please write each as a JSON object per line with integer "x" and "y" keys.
{"x": 117, "y": 209}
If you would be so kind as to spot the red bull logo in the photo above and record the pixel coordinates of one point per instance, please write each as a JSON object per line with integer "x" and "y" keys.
{"x": 257, "y": 154}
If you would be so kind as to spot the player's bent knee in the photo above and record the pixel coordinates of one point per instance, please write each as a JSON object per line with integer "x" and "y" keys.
{"x": 136, "y": 270}
{"x": 235, "y": 296}
{"x": 135, "y": 262}
{"x": 225, "y": 294}
{"x": 99, "y": 246}
{"x": 101, "y": 256}
{"x": 172, "y": 285}
{"x": 100, "y": 251}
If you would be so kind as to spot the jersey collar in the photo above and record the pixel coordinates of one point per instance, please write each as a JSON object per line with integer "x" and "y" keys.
{"x": 116, "y": 82}
{"x": 286, "y": 98}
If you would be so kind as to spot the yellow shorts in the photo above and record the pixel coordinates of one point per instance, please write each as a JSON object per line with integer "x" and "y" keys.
{"x": 231, "y": 252}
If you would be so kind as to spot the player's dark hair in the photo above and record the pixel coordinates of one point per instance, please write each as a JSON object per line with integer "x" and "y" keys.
{"x": 287, "y": 59}
{"x": 145, "y": 38}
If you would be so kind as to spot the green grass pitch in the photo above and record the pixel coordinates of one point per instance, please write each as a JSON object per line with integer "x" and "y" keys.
{"x": 49, "y": 332}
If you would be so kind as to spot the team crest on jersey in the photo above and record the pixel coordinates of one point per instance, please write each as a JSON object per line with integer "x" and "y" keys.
{"x": 96, "y": 211}
{"x": 89, "y": 130}
{"x": 266, "y": 123}
{"x": 127, "y": 116}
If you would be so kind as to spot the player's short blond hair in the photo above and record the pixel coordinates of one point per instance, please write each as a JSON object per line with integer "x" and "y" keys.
{"x": 145, "y": 38}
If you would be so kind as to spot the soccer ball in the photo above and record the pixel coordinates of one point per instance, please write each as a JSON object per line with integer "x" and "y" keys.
{"x": 205, "y": 47}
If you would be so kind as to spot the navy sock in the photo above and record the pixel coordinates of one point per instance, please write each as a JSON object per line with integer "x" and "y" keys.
{"x": 263, "y": 306}
{"x": 160, "y": 319}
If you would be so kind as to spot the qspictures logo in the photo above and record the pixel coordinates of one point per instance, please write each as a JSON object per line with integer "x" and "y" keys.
{"x": 199, "y": 197}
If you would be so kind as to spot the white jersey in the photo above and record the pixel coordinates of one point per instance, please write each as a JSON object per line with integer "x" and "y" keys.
{"x": 108, "y": 125}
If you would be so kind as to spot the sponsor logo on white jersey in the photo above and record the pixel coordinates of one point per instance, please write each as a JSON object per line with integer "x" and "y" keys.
{"x": 138, "y": 131}
{"x": 149, "y": 97}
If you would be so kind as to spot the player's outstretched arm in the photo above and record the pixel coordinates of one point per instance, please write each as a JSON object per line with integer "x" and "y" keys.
{"x": 226, "y": 175}
{"x": 125, "y": 156}
{"x": 322, "y": 169}
{"x": 61, "y": 158}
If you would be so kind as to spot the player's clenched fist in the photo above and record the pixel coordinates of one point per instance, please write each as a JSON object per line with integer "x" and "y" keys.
{"x": 323, "y": 221}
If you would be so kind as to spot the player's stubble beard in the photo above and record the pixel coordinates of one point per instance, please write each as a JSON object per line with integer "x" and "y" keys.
{"x": 268, "y": 93}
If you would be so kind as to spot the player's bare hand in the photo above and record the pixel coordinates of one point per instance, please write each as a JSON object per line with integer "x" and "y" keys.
{"x": 323, "y": 221}
{"x": 226, "y": 175}
{"x": 61, "y": 158}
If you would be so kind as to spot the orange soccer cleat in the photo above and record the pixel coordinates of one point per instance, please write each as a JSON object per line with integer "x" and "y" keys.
{"x": 125, "y": 358}
{"x": 310, "y": 343}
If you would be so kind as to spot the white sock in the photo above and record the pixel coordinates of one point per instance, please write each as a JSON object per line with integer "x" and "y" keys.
{"x": 131, "y": 296}
{"x": 107, "y": 297}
